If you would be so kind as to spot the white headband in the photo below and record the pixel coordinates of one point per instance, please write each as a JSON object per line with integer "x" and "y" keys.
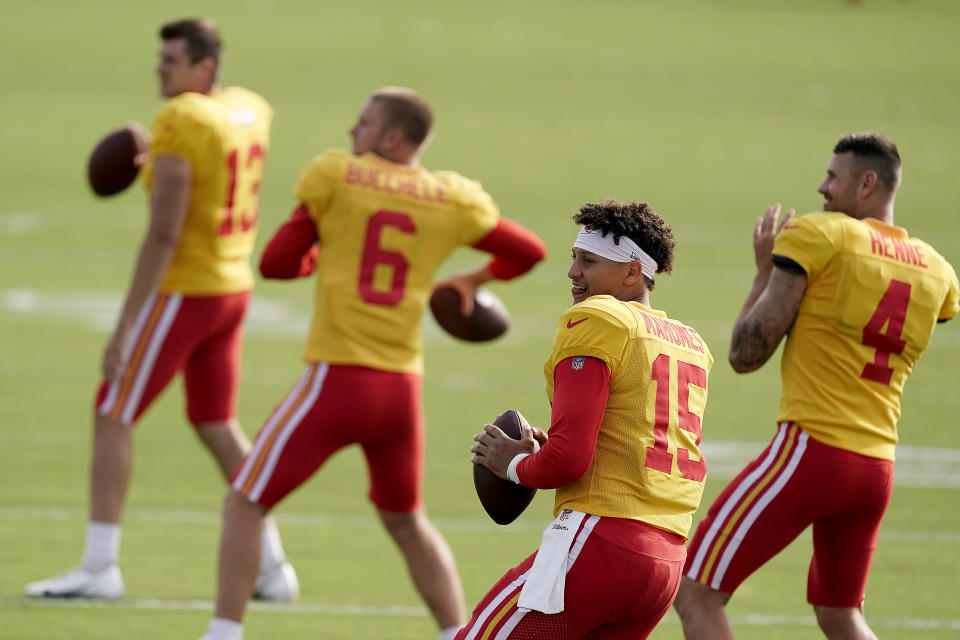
{"x": 626, "y": 251}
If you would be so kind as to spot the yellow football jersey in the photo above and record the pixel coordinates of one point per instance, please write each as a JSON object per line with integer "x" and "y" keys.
{"x": 647, "y": 465}
{"x": 383, "y": 230}
{"x": 873, "y": 297}
{"x": 224, "y": 137}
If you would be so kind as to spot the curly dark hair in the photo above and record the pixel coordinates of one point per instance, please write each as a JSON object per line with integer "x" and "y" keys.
{"x": 636, "y": 220}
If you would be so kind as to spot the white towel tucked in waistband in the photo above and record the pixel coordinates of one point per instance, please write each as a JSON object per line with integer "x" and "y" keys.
{"x": 546, "y": 579}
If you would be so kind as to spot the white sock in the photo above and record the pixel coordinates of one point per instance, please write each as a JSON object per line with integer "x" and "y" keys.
{"x": 102, "y": 546}
{"x": 271, "y": 549}
{"x": 223, "y": 629}
{"x": 449, "y": 633}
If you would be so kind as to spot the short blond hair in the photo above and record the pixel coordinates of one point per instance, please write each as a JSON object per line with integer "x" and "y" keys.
{"x": 406, "y": 110}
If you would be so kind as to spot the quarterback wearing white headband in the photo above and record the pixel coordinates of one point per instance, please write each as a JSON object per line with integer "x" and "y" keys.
{"x": 616, "y": 274}
{"x": 626, "y": 250}
{"x": 625, "y": 462}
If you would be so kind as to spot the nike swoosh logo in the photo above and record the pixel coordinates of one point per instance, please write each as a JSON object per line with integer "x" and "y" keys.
{"x": 571, "y": 325}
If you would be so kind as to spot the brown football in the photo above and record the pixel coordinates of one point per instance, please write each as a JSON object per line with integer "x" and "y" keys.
{"x": 116, "y": 159}
{"x": 502, "y": 499}
{"x": 490, "y": 318}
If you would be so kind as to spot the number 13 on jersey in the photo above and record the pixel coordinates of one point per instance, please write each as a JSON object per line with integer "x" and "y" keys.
{"x": 244, "y": 170}
{"x": 658, "y": 456}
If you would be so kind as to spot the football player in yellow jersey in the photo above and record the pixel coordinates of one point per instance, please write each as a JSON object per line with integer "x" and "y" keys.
{"x": 628, "y": 388}
{"x": 375, "y": 226}
{"x": 858, "y": 299}
{"x": 187, "y": 299}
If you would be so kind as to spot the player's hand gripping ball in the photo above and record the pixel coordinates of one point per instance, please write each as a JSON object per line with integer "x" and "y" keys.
{"x": 489, "y": 319}
{"x": 503, "y": 500}
{"x": 116, "y": 159}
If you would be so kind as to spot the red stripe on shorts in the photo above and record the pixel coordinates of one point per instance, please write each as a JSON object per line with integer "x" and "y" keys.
{"x": 500, "y": 615}
{"x": 262, "y": 450}
{"x": 745, "y": 503}
{"x": 136, "y": 358}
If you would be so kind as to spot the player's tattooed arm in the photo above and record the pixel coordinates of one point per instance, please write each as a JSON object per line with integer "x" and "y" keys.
{"x": 762, "y": 325}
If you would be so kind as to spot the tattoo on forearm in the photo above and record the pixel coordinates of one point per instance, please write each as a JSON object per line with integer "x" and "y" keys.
{"x": 749, "y": 346}
{"x": 756, "y": 337}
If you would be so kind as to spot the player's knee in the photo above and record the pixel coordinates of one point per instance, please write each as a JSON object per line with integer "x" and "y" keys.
{"x": 232, "y": 499}
{"x": 201, "y": 422}
{"x": 686, "y": 597}
{"x": 235, "y": 502}
{"x": 111, "y": 434}
{"x": 843, "y": 623}
{"x": 406, "y": 525}
{"x": 108, "y": 422}
{"x": 694, "y": 597}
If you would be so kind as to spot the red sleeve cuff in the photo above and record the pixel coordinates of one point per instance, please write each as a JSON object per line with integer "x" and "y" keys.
{"x": 515, "y": 249}
{"x": 292, "y": 251}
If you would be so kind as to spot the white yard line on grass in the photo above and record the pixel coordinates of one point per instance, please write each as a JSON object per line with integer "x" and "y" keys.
{"x": 207, "y": 605}
{"x": 266, "y": 317}
{"x": 319, "y": 608}
{"x": 916, "y": 467}
{"x": 98, "y": 311}
{"x": 19, "y": 223}
{"x": 333, "y": 521}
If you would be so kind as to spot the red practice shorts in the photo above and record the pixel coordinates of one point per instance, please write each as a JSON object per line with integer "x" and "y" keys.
{"x": 622, "y": 577}
{"x": 795, "y": 482}
{"x": 333, "y": 406}
{"x": 202, "y": 336}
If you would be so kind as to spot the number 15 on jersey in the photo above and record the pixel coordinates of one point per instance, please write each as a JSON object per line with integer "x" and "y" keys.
{"x": 658, "y": 456}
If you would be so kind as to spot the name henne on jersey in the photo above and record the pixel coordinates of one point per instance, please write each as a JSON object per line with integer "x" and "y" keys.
{"x": 902, "y": 250}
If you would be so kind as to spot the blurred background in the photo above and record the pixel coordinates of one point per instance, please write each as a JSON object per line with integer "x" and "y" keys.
{"x": 710, "y": 110}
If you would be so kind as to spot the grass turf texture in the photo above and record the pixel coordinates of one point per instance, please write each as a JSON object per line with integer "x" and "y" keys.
{"x": 708, "y": 110}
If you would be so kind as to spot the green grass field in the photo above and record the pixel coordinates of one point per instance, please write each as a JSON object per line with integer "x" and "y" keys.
{"x": 708, "y": 109}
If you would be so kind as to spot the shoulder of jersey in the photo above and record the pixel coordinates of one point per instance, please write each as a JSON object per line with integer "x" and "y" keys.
{"x": 819, "y": 219}
{"x": 454, "y": 178}
{"x": 600, "y": 308}
{"x": 820, "y": 224}
{"x": 827, "y": 220}
{"x": 251, "y": 99}
{"x": 189, "y": 101}
{"x": 462, "y": 187}
{"x": 189, "y": 106}
{"x": 333, "y": 155}
{"x": 320, "y": 171}
{"x": 244, "y": 93}
{"x": 330, "y": 160}
{"x": 931, "y": 255}
{"x": 200, "y": 107}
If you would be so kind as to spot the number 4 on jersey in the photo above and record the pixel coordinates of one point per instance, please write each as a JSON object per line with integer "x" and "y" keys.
{"x": 891, "y": 313}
